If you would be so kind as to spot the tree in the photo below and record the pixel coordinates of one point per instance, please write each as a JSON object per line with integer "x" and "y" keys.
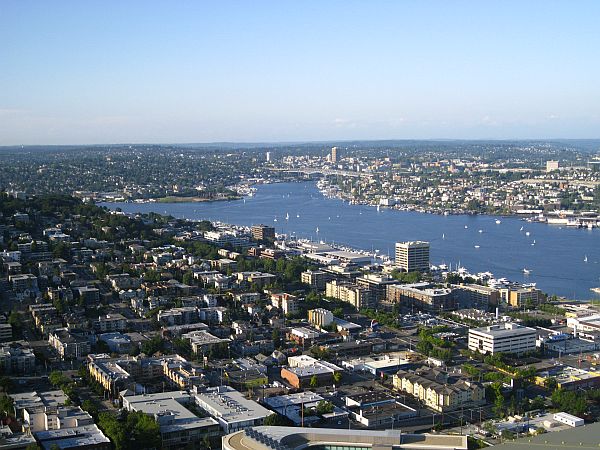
{"x": 6, "y": 384}
{"x": 6, "y": 405}
{"x": 58, "y": 379}
{"x": 277, "y": 420}
{"x": 324, "y": 407}
{"x": 551, "y": 384}
{"x": 337, "y": 377}
{"x": 314, "y": 382}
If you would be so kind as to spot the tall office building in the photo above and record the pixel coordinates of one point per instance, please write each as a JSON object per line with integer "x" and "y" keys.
{"x": 263, "y": 232}
{"x": 335, "y": 154}
{"x": 412, "y": 256}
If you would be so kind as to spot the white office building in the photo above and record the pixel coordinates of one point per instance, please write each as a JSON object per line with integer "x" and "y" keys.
{"x": 412, "y": 256}
{"x": 502, "y": 338}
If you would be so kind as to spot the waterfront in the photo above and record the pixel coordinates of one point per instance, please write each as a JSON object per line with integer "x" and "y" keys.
{"x": 555, "y": 257}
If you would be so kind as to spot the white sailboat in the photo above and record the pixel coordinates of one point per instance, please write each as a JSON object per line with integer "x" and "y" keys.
{"x": 297, "y": 216}
{"x": 443, "y": 236}
{"x": 317, "y": 230}
{"x": 521, "y": 229}
{"x": 527, "y": 233}
{"x": 466, "y": 226}
{"x": 498, "y": 221}
{"x": 526, "y": 271}
{"x": 480, "y": 231}
{"x": 275, "y": 220}
{"x": 585, "y": 258}
{"x": 287, "y": 216}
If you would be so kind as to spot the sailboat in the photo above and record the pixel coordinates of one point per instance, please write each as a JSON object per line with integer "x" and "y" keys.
{"x": 443, "y": 236}
{"x": 533, "y": 243}
{"x": 585, "y": 258}
{"x": 521, "y": 229}
{"x": 480, "y": 231}
{"x": 526, "y": 271}
{"x": 527, "y": 233}
{"x": 297, "y": 216}
{"x": 498, "y": 221}
{"x": 377, "y": 208}
{"x": 476, "y": 246}
{"x": 275, "y": 220}
{"x": 317, "y": 229}
{"x": 466, "y": 226}
{"x": 287, "y": 216}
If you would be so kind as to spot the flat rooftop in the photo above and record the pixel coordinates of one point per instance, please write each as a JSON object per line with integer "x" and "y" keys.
{"x": 230, "y": 405}
{"x": 261, "y": 438}
{"x": 585, "y": 437}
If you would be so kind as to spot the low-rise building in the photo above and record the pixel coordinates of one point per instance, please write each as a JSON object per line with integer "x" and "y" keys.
{"x": 179, "y": 427}
{"x": 69, "y": 345}
{"x": 16, "y": 360}
{"x": 110, "y": 323}
{"x": 358, "y": 296}
{"x": 231, "y": 409}
{"x": 438, "y": 390}
{"x": 423, "y": 296}
{"x": 502, "y": 338}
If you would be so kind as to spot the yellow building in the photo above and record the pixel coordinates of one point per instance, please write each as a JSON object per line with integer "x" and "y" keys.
{"x": 438, "y": 390}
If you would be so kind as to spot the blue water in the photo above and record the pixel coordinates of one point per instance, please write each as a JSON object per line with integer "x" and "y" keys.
{"x": 556, "y": 261}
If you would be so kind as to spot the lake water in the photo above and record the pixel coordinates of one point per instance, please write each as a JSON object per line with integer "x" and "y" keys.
{"x": 556, "y": 258}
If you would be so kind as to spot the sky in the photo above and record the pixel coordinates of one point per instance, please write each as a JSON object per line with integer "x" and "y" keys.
{"x": 95, "y": 72}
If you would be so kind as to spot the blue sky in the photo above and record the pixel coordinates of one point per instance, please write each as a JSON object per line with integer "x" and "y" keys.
{"x": 74, "y": 72}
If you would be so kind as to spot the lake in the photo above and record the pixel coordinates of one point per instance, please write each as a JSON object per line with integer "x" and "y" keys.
{"x": 555, "y": 256}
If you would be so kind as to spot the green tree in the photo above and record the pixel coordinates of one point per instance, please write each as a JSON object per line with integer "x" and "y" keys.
{"x": 314, "y": 382}
{"x": 337, "y": 377}
{"x": 6, "y": 405}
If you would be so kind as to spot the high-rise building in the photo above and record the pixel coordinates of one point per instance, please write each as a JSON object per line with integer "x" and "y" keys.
{"x": 552, "y": 165}
{"x": 263, "y": 232}
{"x": 268, "y": 156}
{"x": 334, "y": 154}
{"x": 412, "y": 256}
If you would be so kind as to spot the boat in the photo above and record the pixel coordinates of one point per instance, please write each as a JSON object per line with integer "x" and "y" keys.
{"x": 526, "y": 271}
{"x": 498, "y": 221}
{"x": 595, "y": 290}
{"x": 521, "y": 229}
{"x": 480, "y": 231}
{"x": 317, "y": 229}
{"x": 274, "y": 220}
{"x": 585, "y": 258}
{"x": 466, "y": 226}
{"x": 443, "y": 236}
{"x": 533, "y": 243}
{"x": 527, "y": 233}
{"x": 297, "y": 216}
{"x": 377, "y": 208}
{"x": 287, "y": 216}
{"x": 476, "y": 246}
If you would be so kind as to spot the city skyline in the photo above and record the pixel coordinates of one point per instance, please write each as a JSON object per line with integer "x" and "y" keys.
{"x": 144, "y": 72}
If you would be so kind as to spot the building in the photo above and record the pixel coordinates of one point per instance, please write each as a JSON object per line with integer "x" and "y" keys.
{"x": 179, "y": 427}
{"x": 263, "y": 232}
{"x": 476, "y": 296}
{"x": 438, "y": 390}
{"x": 552, "y": 165}
{"x": 202, "y": 341}
{"x": 16, "y": 360}
{"x": 87, "y": 437}
{"x": 6, "y": 332}
{"x": 522, "y": 296}
{"x": 412, "y": 256}
{"x": 291, "y": 406}
{"x": 69, "y": 345}
{"x": 296, "y": 438}
{"x": 231, "y": 409}
{"x": 377, "y": 284}
{"x": 304, "y": 369}
{"x": 377, "y": 409}
{"x": 358, "y": 296}
{"x": 422, "y": 296}
{"x": 569, "y": 378}
{"x": 316, "y": 279}
{"x": 259, "y": 279}
{"x": 117, "y": 342}
{"x": 288, "y": 303}
{"x": 223, "y": 238}
{"x": 110, "y": 323}
{"x": 320, "y": 317}
{"x": 502, "y": 338}
{"x": 335, "y": 154}
{"x": 568, "y": 419}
